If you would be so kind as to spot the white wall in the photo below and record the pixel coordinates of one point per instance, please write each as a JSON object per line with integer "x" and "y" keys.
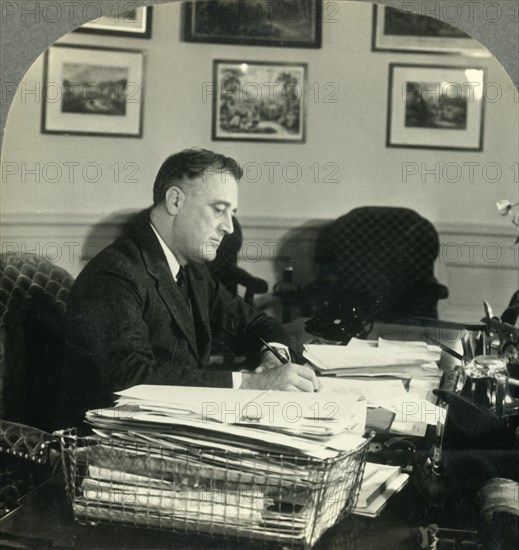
{"x": 350, "y": 133}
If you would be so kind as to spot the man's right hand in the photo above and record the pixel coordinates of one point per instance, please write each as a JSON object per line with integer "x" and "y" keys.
{"x": 289, "y": 377}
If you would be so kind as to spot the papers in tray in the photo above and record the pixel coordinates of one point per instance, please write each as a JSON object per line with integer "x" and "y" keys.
{"x": 319, "y": 425}
{"x": 380, "y": 358}
{"x": 239, "y": 505}
{"x": 223, "y": 460}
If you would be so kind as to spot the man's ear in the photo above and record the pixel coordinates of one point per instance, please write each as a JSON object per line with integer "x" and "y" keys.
{"x": 174, "y": 199}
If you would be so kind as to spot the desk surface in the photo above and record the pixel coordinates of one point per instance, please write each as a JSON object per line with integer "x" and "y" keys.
{"x": 44, "y": 521}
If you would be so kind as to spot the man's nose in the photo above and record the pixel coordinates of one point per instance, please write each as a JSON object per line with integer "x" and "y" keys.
{"x": 227, "y": 224}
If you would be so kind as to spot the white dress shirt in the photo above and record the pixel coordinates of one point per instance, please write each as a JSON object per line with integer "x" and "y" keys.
{"x": 173, "y": 264}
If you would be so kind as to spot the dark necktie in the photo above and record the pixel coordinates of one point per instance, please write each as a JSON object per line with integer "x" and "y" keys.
{"x": 194, "y": 318}
{"x": 182, "y": 284}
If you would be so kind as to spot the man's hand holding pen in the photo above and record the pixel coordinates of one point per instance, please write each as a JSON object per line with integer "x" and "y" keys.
{"x": 277, "y": 372}
{"x": 287, "y": 377}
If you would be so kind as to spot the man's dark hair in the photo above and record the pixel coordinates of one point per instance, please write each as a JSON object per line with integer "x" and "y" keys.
{"x": 190, "y": 164}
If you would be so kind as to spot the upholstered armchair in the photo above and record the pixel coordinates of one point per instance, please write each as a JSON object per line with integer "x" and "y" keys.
{"x": 379, "y": 260}
{"x": 511, "y": 313}
{"x": 33, "y": 297}
{"x": 225, "y": 267}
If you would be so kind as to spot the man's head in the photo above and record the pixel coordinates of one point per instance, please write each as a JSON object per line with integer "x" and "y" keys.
{"x": 195, "y": 196}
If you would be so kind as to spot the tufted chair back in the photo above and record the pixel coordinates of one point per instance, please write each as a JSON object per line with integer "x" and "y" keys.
{"x": 227, "y": 258}
{"x": 33, "y": 297}
{"x": 225, "y": 267}
{"x": 382, "y": 260}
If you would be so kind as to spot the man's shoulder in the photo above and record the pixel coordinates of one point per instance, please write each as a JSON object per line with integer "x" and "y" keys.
{"x": 122, "y": 257}
{"x": 125, "y": 249}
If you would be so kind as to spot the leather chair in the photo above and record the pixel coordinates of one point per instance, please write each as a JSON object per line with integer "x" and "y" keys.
{"x": 225, "y": 267}
{"x": 511, "y": 313}
{"x": 33, "y": 297}
{"x": 380, "y": 261}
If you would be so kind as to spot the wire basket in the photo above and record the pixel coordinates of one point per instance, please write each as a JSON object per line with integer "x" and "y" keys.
{"x": 277, "y": 498}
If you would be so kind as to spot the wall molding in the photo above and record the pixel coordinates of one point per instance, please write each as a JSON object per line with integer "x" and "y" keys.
{"x": 45, "y": 219}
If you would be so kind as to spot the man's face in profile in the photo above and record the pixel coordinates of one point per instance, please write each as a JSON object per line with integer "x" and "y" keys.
{"x": 205, "y": 217}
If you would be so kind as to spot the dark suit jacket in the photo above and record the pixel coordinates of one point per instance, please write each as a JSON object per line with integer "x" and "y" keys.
{"x": 128, "y": 324}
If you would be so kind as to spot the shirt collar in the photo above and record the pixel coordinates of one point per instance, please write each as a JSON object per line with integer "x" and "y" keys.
{"x": 173, "y": 264}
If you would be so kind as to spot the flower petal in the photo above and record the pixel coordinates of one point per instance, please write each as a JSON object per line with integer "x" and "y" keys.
{"x": 503, "y": 207}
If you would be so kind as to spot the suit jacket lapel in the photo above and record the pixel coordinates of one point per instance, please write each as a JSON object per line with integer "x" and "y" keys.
{"x": 158, "y": 268}
{"x": 178, "y": 308}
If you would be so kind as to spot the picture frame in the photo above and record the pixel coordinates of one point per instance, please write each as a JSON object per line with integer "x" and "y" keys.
{"x": 259, "y": 101}
{"x": 284, "y": 24}
{"x": 131, "y": 21}
{"x": 397, "y": 30}
{"x": 95, "y": 91}
{"x": 435, "y": 107}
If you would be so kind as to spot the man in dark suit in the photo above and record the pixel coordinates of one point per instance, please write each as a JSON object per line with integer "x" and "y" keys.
{"x": 145, "y": 310}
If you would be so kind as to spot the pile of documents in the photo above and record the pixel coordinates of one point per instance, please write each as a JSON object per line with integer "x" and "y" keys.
{"x": 380, "y": 482}
{"x": 317, "y": 425}
{"x": 363, "y": 358}
{"x": 223, "y": 460}
{"x": 409, "y": 412}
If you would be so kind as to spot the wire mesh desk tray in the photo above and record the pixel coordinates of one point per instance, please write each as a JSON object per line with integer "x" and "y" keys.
{"x": 286, "y": 499}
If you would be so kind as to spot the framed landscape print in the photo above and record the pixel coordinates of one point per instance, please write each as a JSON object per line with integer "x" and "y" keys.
{"x": 435, "y": 107}
{"x": 259, "y": 101}
{"x": 283, "y": 23}
{"x": 125, "y": 21}
{"x": 93, "y": 91}
{"x": 404, "y": 31}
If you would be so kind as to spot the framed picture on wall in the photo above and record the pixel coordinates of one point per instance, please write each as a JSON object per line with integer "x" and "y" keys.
{"x": 259, "y": 101}
{"x": 283, "y": 23}
{"x": 435, "y": 107}
{"x": 405, "y": 31}
{"x": 125, "y": 20}
{"x": 96, "y": 91}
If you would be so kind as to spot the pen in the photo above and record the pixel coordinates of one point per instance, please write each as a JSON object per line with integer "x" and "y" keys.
{"x": 438, "y": 443}
{"x": 448, "y": 350}
{"x": 274, "y": 352}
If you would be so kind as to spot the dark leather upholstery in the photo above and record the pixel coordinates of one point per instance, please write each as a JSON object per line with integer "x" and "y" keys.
{"x": 511, "y": 313}
{"x": 380, "y": 259}
{"x": 33, "y": 297}
{"x": 225, "y": 267}
{"x": 227, "y": 257}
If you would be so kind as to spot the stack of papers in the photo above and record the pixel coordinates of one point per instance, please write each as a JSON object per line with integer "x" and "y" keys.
{"x": 375, "y": 358}
{"x": 379, "y": 483}
{"x": 411, "y": 411}
{"x": 318, "y": 425}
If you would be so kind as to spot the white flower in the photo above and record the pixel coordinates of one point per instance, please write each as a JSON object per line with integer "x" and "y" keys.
{"x": 503, "y": 207}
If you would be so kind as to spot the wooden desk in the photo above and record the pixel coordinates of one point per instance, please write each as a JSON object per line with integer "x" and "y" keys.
{"x": 44, "y": 520}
